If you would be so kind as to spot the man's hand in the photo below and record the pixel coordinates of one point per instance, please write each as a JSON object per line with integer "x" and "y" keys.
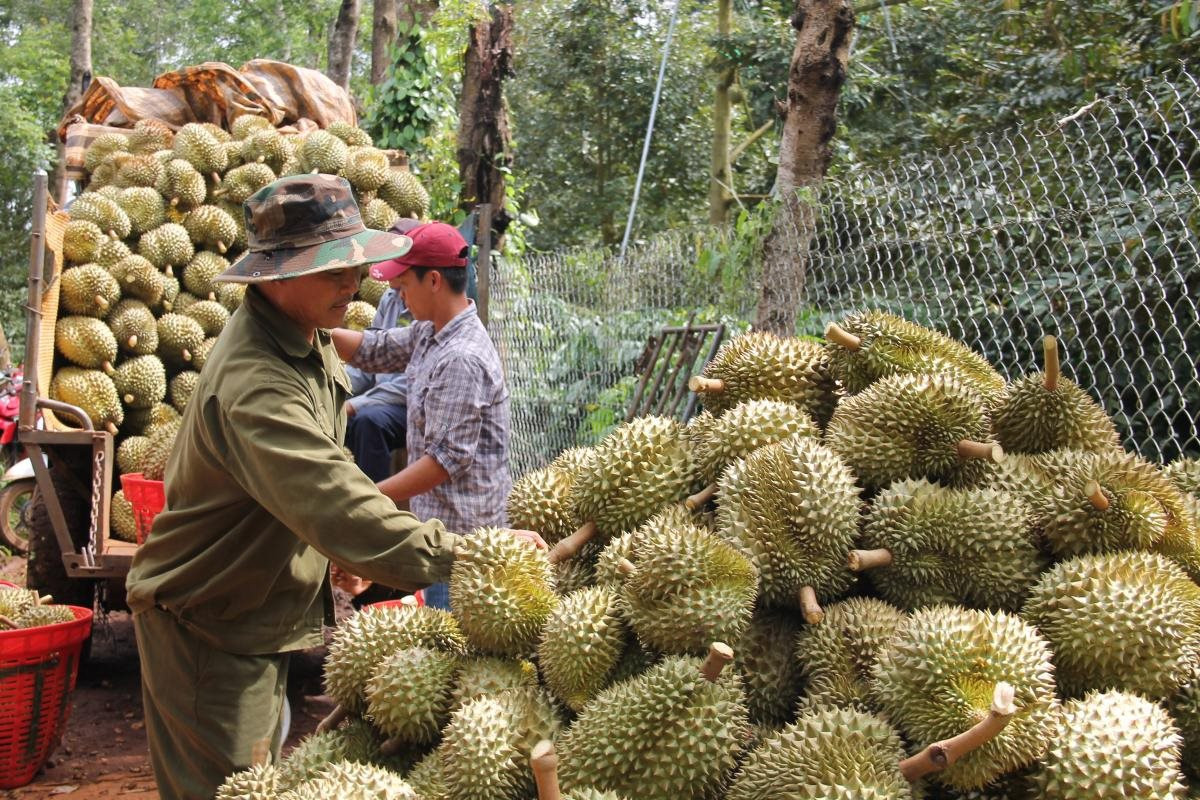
{"x": 529, "y": 536}
{"x": 351, "y": 584}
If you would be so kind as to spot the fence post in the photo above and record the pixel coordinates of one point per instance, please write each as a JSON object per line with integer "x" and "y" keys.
{"x": 483, "y": 259}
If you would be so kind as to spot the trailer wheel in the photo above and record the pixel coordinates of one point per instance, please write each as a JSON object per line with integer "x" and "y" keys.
{"x": 14, "y": 516}
{"x": 44, "y": 570}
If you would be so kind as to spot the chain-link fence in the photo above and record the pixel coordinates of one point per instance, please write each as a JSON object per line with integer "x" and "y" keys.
{"x": 1085, "y": 227}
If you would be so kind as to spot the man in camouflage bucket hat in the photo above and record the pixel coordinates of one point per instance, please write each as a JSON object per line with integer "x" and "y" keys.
{"x": 261, "y": 497}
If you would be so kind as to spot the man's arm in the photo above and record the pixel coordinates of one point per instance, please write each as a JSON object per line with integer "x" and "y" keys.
{"x": 347, "y": 342}
{"x": 417, "y": 478}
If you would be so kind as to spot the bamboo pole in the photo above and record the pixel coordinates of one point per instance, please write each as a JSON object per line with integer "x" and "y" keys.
{"x": 940, "y": 755}
{"x": 860, "y": 560}
{"x": 568, "y": 547}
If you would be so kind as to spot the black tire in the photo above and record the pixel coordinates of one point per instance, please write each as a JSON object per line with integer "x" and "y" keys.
{"x": 14, "y": 516}
{"x": 44, "y": 570}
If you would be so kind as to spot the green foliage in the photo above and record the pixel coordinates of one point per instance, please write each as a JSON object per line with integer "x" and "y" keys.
{"x": 409, "y": 102}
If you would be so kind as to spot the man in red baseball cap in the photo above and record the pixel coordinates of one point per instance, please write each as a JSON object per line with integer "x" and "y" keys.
{"x": 458, "y": 415}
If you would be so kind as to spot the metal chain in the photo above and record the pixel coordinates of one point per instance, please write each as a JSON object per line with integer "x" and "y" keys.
{"x": 89, "y": 551}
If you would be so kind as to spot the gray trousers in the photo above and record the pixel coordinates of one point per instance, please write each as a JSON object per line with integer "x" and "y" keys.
{"x": 208, "y": 713}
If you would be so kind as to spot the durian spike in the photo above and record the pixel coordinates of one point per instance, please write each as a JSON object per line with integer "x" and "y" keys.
{"x": 813, "y": 613}
{"x": 1096, "y": 495}
{"x": 839, "y": 335}
{"x": 990, "y": 451}
{"x": 544, "y": 762}
{"x": 699, "y": 383}
{"x": 391, "y": 746}
{"x": 569, "y": 546}
{"x": 860, "y": 560}
{"x": 719, "y": 654}
{"x": 701, "y": 497}
{"x": 5, "y": 622}
{"x": 626, "y": 567}
{"x": 333, "y": 720}
{"x": 940, "y": 755}
{"x": 1050, "y": 348}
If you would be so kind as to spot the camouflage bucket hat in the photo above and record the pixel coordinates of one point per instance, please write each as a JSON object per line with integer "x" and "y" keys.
{"x": 304, "y": 224}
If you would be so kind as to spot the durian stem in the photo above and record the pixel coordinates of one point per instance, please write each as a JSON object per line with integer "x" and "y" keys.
{"x": 1050, "y": 348}
{"x": 719, "y": 654}
{"x": 701, "y": 497}
{"x": 1096, "y": 495}
{"x": 222, "y": 247}
{"x": 101, "y": 303}
{"x": 170, "y": 273}
{"x": 187, "y": 356}
{"x": 701, "y": 384}
{"x": 111, "y": 427}
{"x": 940, "y": 755}
{"x": 391, "y": 747}
{"x": 174, "y": 202}
{"x": 861, "y": 560}
{"x": 132, "y": 342}
{"x": 989, "y": 451}
{"x": 333, "y": 720}
{"x": 626, "y": 567}
{"x": 813, "y": 613}
{"x": 216, "y": 178}
{"x": 43, "y": 600}
{"x": 128, "y": 399}
{"x": 8, "y": 623}
{"x": 565, "y": 548}
{"x": 544, "y": 762}
{"x": 839, "y": 335}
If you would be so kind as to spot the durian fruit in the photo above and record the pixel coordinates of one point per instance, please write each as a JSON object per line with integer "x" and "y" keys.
{"x": 144, "y": 207}
{"x": 638, "y": 469}
{"x": 211, "y": 315}
{"x": 231, "y": 295}
{"x": 668, "y": 734}
{"x": 359, "y": 315}
{"x": 371, "y": 290}
{"x": 322, "y": 152}
{"x": 181, "y": 388}
{"x": 353, "y": 741}
{"x": 103, "y": 212}
{"x": 740, "y": 431}
{"x": 150, "y": 136}
{"x": 764, "y": 657}
{"x": 1127, "y": 621}
{"x": 121, "y": 520}
{"x": 837, "y": 657}
{"x": 92, "y": 391}
{"x": 794, "y": 507}
{"x": 828, "y": 753}
{"x": 1185, "y": 474}
{"x": 182, "y": 186}
{"x": 267, "y": 147}
{"x": 246, "y": 124}
{"x": 487, "y": 675}
{"x": 364, "y": 640}
{"x": 139, "y": 279}
{"x": 211, "y": 227}
{"x": 241, "y": 182}
{"x": 577, "y": 572}
{"x": 86, "y": 342}
{"x": 378, "y": 215}
{"x": 352, "y": 135}
{"x": 158, "y": 451}
{"x": 82, "y": 240}
{"x": 133, "y": 324}
{"x": 102, "y": 147}
{"x": 131, "y": 452}
{"x": 937, "y": 676}
{"x": 914, "y": 426}
{"x": 351, "y": 780}
{"x": 540, "y": 500}
{"x": 486, "y": 745}
{"x": 112, "y": 252}
{"x": 366, "y": 168}
{"x": 924, "y": 544}
{"x": 256, "y": 783}
{"x": 410, "y": 692}
{"x": 1110, "y": 501}
{"x": 686, "y": 587}
{"x": 14, "y": 601}
{"x": 1046, "y": 411}
{"x": 178, "y": 338}
{"x": 425, "y": 777}
{"x": 200, "y": 357}
{"x": 138, "y": 171}
{"x": 141, "y": 381}
{"x": 761, "y": 366}
{"x": 502, "y": 591}
{"x": 35, "y": 616}
{"x": 201, "y": 147}
{"x": 872, "y": 345}
{"x": 1184, "y": 706}
{"x": 581, "y": 643}
{"x": 143, "y": 421}
{"x": 199, "y": 273}
{"x": 1111, "y": 745}
{"x": 404, "y": 193}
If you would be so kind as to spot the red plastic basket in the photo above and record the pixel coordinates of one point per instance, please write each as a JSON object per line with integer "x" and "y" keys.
{"x": 38, "y": 667}
{"x": 147, "y": 498}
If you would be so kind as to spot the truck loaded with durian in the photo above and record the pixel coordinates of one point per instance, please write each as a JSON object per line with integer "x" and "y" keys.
{"x": 123, "y": 310}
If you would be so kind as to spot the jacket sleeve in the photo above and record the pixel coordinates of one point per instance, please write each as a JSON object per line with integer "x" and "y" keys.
{"x": 285, "y": 459}
{"x": 386, "y": 351}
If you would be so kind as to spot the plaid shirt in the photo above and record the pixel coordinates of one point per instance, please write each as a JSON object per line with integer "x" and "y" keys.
{"x": 457, "y": 413}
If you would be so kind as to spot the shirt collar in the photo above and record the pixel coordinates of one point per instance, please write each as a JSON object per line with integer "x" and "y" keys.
{"x": 461, "y": 319}
{"x": 278, "y": 326}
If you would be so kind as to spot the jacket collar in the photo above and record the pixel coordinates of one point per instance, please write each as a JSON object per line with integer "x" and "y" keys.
{"x": 278, "y": 326}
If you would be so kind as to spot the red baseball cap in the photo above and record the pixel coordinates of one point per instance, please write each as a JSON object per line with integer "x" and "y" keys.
{"x": 434, "y": 244}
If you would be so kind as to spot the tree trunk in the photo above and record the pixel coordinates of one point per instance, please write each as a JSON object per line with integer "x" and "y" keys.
{"x": 483, "y": 134}
{"x": 341, "y": 43}
{"x": 818, "y": 70}
{"x": 383, "y": 35}
{"x": 721, "y": 176}
{"x": 81, "y": 53}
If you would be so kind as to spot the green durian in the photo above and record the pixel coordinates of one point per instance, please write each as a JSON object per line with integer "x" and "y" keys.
{"x": 86, "y": 342}
{"x": 145, "y": 208}
{"x": 486, "y": 675}
{"x": 267, "y": 147}
{"x": 90, "y": 390}
{"x": 404, "y": 193}
{"x": 366, "y": 168}
{"x": 371, "y": 290}
{"x": 256, "y": 783}
{"x": 211, "y": 315}
{"x": 182, "y": 187}
{"x": 581, "y": 643}
{"x": 322, "y": 152}
{"x": 141, "y": 381}
{"x": 210, "y": 226}
{"x": 181, "y": 388}
{"x": 131, "y": 452}
{"x": 139, "y": 171}
{"x": 241, "y": 182}
{"x": 359, "y": 315}
{"x": 201, "y": 147}
{"x": 541, "y": 501}
{"x": 743, "y": 429}
{"x": 102, "y": 147}
{"x": 199, "y": 273}
{"x": 158, "y": 451}
{"x": 82, "y": 240}
{"x": 378, "y": 215}
{"x": 1185, "y": 474}
{"x": 103, "y": 212}
{"x": 352, "y": 780}
{"x": 410, "y": 693}
{"x": 352, "y": 135}
{"x": 178, "y": 337}
{"x": 150, "y": 136}
{"x": 355, "y": 740}
{"x": 113, "y": 251}
{"x": 168, "y": 245}
{"x": 133, "y": 324}
{"x": 764, "y": 657}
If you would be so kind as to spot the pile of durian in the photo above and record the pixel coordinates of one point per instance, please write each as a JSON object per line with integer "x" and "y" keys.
{"x": 25, "y": 608}
{"x": 922, "y": 582}
{"x": 160, "y": 217}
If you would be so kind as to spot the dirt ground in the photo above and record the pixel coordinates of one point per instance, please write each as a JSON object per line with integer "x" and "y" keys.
{"x": 103, "y": 750}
